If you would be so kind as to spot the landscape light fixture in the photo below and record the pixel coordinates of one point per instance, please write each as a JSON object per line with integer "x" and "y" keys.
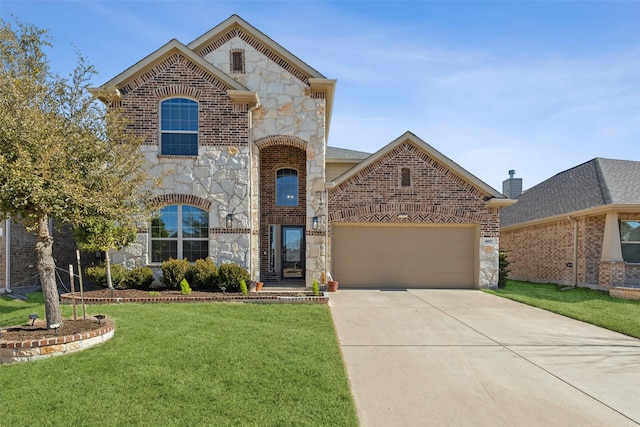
{"x": 229, "y": 220}
{"x": 33, "y": 318}
{"x": 314, "y": 223}
{"x": 99, "y": 317}
{"x": 55, "y": 327}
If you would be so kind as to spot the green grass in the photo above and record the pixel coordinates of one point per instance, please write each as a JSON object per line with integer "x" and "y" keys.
{"x": 186, "y": 365}
{"x": 587, "y": 305}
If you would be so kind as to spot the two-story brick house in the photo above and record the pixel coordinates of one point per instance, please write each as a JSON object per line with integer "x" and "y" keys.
{"x": 237, "y": 128}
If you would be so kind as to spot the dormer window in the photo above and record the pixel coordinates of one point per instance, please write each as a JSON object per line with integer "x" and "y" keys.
{"x": 237, "y": 61}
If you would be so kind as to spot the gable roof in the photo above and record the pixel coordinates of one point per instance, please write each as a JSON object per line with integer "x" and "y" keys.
{"x": 596, "y": 183}
{"x": 162, "y": 54}
{"x": 409, "y": 137}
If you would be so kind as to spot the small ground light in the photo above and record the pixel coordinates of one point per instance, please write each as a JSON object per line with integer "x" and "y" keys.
{"x": 33, "y": 318}
{"x": 55, "y": 326}
{"x": 99, "y": 317}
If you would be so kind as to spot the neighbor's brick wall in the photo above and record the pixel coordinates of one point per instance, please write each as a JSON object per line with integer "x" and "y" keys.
{"x": 435, "y": 195}
{"x": 219, "y": 122}
{"x": 540, "y": 253}
{"x": 272, "y": 158}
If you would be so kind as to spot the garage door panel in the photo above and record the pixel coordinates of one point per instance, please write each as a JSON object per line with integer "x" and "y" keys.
{"x": 403, "y": 257}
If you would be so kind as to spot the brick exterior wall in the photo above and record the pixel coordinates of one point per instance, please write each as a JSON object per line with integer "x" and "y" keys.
{"x": 436, "y": 195}
{"x": 272, "y": 158}
{"x": 540, "y": 253}
{"x": 219, "y": 122}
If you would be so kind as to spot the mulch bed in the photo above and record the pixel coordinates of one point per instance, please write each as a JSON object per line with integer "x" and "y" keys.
{"x": 39, "y": 330}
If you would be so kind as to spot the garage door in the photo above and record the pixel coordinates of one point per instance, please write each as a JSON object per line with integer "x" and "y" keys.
{"x": 398, "y": 256}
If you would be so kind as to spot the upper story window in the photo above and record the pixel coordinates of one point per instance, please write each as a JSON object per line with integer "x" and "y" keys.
{"x": 180, "y": 231}
{"x": 287, "y": 187}
{"x": 630, "y": 241}
{"x": 405, "y": 177}
{"x": 179, "y": 127}
{"x": 237, "y": 61}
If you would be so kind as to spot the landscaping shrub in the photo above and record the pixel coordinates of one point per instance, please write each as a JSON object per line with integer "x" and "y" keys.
{"x": 243, "y": 287}
{"x": 185, "y": 289}
{"x": 203, "y": 274}
{"x": 230, "y": 275}
{"x": 97, "y": 274}
{"x": 503, "y": 272}
{"x": 173, "y": 271}
{"x": 138, "y": 278}
{"x": 315, "y": 287}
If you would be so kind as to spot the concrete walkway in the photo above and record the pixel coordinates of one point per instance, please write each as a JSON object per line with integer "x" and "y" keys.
{"x": 466, "y": 358}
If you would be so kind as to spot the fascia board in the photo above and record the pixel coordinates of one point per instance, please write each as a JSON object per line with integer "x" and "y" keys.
{"x": 235, "y": 20}
{"x": 159, "y": 55}
{"x": 409, "y": 136}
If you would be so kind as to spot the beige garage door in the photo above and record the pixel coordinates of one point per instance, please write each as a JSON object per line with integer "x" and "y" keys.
{"x": 398, "y": 256}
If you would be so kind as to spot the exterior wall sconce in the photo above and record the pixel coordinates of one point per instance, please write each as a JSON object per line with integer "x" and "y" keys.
{"x": 229, "y": 220}
{"x": 314, "y": 223}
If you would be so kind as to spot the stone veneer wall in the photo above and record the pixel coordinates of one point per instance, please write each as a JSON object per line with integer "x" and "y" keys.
{"x": 289, "y": 114}
{"x": 436, "y": 196}
{"x": 217, "y": 179}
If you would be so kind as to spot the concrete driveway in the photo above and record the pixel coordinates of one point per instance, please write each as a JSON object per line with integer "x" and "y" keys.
{"x": 455, "y": 357}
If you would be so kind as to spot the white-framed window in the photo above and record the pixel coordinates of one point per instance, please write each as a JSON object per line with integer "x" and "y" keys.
{"x": 180, "y": 231}
{"x": 287, "y": 187}
{"x": 179, "y": 127}
{"x": 630, "y": 241}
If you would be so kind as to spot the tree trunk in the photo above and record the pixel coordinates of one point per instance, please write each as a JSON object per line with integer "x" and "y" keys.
{"x": 107, "y": 261}
{"x": 47, "y": 270}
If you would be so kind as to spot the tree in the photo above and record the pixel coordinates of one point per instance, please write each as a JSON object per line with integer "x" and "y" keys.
{"x": 63, "y": 154}
{"x": 98, "y": 234}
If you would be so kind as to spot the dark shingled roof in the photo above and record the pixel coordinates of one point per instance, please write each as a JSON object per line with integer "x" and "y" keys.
{"x": 334, "y": 153}
{"x": 595, "y": 183}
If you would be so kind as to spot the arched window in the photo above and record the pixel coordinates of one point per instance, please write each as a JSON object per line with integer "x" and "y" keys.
{"x": 180, "y": 231}
{"x": 287, "y": 187}
{"x": 179, "y": 127}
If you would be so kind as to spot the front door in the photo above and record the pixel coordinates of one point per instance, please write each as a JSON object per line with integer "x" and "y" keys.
{"x": 292, "y": 252}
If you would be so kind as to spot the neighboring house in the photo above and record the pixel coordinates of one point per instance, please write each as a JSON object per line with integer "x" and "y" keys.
{"x": 580, "y": 227}
{"x": 237, "y": 128}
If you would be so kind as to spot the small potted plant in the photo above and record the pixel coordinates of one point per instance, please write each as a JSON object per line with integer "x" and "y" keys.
{"x": 332, "y": 285}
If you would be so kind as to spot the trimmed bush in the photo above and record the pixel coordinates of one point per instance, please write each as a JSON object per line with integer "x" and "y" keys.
{"x": 243, "y": 287}
{"x": 503, "y": 272}
{"x": 185, "y": 289}
{"x": 97, "y": 274}
{"x": 173, "y": 271}
{"x": 315, "y": 287}
{"x": 203, "y": 274}
{"x": 138, "y": 278}
{"x": 230, "y": 275}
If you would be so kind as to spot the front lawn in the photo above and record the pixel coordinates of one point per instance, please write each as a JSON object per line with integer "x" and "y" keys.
{"x": 219, "y": 364}
{"x": 588, "y": 305}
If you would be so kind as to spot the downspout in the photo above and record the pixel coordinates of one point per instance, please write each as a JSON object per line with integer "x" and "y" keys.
{"x": 574, "y": 264}
{"x": 7, "y": 255}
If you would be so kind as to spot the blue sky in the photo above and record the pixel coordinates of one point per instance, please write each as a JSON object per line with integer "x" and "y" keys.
{"x": 535, "y": 86}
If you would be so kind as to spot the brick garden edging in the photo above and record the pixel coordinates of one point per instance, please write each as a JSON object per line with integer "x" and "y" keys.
{"x": 291, "y": 297}
{"x": 24, "y": 351}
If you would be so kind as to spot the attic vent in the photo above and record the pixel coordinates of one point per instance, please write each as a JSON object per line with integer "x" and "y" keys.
{"x": 405, "y": 179}
{"x": 237, "y": 61}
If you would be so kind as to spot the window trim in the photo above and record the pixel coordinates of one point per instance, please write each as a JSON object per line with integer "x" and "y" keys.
{"x": 180, "y": 239}
{"x": 297, "y": 190}
{"x": 179, "y": 132}
{"x": 628, "y": 242}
